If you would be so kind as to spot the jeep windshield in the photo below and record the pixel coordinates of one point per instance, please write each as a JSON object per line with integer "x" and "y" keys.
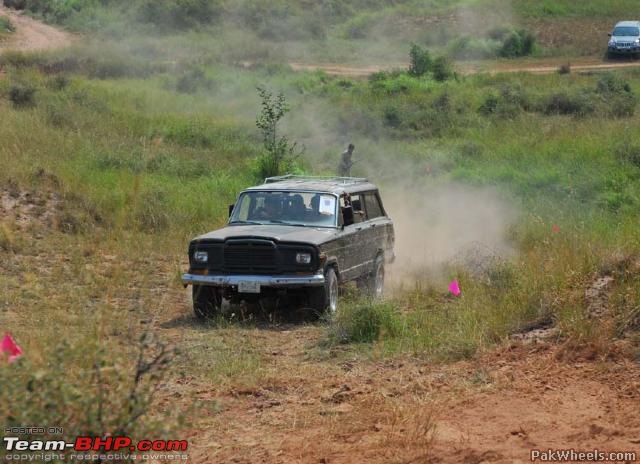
{"x": 312, "y": 209}
{"x": 626, "y": 31}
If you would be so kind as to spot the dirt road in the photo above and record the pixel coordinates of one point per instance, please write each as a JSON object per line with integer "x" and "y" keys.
{"x": 32, "y": 35}
{"x": 542, "y": 66}
{"x": 314, "y": 408}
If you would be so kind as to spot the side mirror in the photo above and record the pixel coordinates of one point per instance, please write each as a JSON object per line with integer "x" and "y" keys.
{"x": 231, "y": 209}
{"x": 347, "y": 215}
{"x": 609, "y": 34}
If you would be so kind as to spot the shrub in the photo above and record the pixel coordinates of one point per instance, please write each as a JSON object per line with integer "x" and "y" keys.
{"x": 419, "y": 61}
{"x": 99, "y": 400}
{"x": 629, "y": 153}
{"x": 618, "y": 95}
{"x": 566, "y": 104}
{"x": 279, "y": 154}
{"x": 442, "y": 69}
{"x": 22, "y": 95}
{"x": 178, "y": 14}
{"x": 16, "y": 4}
{"x": 5, "y": 25}
{"x": 192, "y": 80}
{"x": 365, "y": 322}
{"x": 517, "y": 43}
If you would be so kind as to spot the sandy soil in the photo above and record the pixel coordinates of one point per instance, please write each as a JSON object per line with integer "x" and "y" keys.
{"x": 495, "y": 409}
{"x": 32, "y": 35}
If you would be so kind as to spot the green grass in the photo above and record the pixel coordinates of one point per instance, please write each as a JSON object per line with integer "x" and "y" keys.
{"x": 145, "y": 146}
{"x": 6, "y": 28}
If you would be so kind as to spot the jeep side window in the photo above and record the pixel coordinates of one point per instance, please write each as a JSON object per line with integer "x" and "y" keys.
{"x": 372, "y": 203}
{"x": 358, "y": 208}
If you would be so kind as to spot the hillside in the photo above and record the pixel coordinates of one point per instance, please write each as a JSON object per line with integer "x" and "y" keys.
{"x": 131, "y": 127}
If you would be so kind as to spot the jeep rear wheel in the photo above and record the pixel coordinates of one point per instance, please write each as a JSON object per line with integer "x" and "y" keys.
{"x": 207, "y": 302}
{"x": 325, "y": 298}
{"x": 373, "y": 284}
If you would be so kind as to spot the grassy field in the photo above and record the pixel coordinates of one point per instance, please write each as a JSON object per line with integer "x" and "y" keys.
{"x": 6, "y": 28}
{"x": 114, "y": 157}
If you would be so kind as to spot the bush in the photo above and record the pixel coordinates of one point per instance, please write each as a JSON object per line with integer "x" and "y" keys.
{"x": 365, "y": 322}
{"x": 178, "y": 14}
{"x": 193, "y": 79}
{"x": 511, "y": 101}
{"x": 22, "y": 95}
{"x": 419, "y": 61}
{"x": 517, "y": 43}
{"x": 566, "y": 104}
{"x": 16, "y": 4}
{"x": 5, "y": 25}
{"x": 99, "y": 400}
{"x": 442, "y": 69}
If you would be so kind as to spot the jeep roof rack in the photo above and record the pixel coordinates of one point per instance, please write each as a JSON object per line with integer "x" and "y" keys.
{"x": 336, "y": 179}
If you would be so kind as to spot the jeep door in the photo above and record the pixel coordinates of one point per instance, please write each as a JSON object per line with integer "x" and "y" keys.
{"x": 379, "y": 233}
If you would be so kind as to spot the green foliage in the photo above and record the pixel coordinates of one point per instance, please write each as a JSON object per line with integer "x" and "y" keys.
{"x": 99, "y": 396}
{"x": 178, "y": 14}
{"x": 515, "y": 43}
{"x": 420, "y": 61}
{"x": 364, "y": 322}
{"x": 6, "y": 26}
{"x": 15, "y": 4}
{"x": 442, "y": 69}
{"x": 499, "y": 42}
{"x": 279, "y": 155}
{"x": 22, "y": 95}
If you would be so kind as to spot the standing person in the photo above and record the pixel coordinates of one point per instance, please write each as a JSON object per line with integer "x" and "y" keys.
{"x": 346, "y": 162}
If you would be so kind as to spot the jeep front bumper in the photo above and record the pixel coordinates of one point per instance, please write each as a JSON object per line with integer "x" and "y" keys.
{"x": 280, "y": 281}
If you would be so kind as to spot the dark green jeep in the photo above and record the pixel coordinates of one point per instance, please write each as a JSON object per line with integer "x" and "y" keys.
{"x": 293, "y": 238}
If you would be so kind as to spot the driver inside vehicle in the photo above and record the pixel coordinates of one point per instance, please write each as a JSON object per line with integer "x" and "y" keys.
{"x": 269, "y": 210}
{"x": 297, "y": 210}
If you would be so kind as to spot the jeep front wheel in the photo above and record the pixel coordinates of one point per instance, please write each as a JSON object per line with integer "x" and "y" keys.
{"x": 207, "y": 302}
{"x": 325, "y": 298}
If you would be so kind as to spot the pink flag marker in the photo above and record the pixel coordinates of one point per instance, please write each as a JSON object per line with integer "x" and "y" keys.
{"x": 555, "y": 229}
{"x": 454, "y": 288}
{"x": 10, "y": 347}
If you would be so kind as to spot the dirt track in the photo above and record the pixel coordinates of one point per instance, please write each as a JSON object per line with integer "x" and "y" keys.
{"x": 32, "y": 35}
{"x": 546, "y": 66}
{"x": 494, "y": 409}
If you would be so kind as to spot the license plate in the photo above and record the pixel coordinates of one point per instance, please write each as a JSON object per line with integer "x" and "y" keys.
{"x": 248, "y": 287}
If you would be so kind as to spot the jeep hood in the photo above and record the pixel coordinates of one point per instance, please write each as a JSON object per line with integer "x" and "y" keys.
{"x": 276, "y": 232}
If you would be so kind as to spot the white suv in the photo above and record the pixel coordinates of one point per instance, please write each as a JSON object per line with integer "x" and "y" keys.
{"x": 625, "y": 39}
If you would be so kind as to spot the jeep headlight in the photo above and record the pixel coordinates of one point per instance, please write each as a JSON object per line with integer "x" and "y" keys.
{"x": 201, "y": 257}
{"x": 303, "y": 258}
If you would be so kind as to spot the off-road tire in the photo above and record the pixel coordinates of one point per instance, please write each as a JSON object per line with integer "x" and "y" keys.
{"x": 373, "y": 284}
{"x": 325, "y": 298}
{"x": 207, "y": 302}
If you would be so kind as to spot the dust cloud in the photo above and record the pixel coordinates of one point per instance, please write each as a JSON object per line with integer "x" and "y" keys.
{"x": 438, "y": 225}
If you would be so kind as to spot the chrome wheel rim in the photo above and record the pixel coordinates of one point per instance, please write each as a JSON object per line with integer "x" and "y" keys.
{"x": 333, "y": 293}
{"x": 379, "y": 283}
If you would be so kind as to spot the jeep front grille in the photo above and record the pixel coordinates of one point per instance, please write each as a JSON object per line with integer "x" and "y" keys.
{"x": 250, "y": 256}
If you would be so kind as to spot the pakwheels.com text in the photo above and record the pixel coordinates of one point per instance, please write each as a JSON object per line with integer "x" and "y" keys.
{"x": 571, "y": 455}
